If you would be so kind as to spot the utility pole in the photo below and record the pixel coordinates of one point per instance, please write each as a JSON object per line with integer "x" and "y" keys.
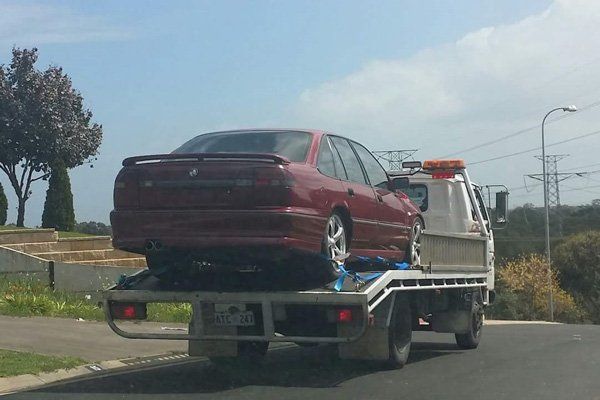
{"x": 554, "y": 177}
{"x": 394, "y": 158}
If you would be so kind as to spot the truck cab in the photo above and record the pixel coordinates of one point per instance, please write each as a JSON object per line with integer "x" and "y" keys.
{"x": 450, "y": 203}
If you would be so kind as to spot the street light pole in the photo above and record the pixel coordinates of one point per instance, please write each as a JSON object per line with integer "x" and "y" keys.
{"x": 546, "y": 208}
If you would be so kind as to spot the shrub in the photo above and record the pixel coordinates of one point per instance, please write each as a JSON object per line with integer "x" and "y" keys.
{"x": 578, "y": 260}
{"x": 93, "y": 228}
{"x": 523, "y": 290}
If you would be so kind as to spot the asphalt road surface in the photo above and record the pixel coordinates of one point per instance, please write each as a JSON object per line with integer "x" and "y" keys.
{"x": 513, "y": 362}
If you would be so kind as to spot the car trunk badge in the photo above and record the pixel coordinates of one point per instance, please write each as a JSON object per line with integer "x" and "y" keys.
{"x": 193, "y": 172}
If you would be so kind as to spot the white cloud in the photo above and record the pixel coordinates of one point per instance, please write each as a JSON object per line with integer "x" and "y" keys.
{"x": 488, "y": 84}
{"x": 25, "y": 24}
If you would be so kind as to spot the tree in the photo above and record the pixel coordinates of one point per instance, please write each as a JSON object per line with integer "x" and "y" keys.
{"x": 578, "y": 260}
{"x": 93, "y": 228}
{"x": 58, "y": 208}
{"x": 3, "y": 206}
{"x": 523, "y": 291}
{"x": 42, "y": 119}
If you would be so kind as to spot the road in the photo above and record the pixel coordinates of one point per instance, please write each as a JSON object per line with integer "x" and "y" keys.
{"x": 89, "y": 340}
{"x": 513, "y": 362}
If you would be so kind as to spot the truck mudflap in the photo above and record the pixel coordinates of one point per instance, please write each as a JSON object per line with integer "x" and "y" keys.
{"x": 363, "y": 300}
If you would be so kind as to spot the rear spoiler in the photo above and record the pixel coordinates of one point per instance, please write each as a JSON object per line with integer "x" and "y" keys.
{"x": 204, "y": 156}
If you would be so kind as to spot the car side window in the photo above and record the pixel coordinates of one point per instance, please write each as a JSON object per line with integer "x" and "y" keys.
{"x": 349, "y": 159}
{"x": 337, "y": 161}
{"x": 329, "y": 162}
{"x": 375, "y": 171}
{"x": 325, "y": 162}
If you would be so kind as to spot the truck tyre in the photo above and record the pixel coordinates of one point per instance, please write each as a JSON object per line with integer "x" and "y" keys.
{"x": 400, "y": 332}
{"x": 470, "y": 340}
{"x": 413, "y": 251}
{"x": 336, "y": 242}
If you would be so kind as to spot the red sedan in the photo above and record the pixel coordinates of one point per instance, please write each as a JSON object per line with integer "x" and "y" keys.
{"x": 254, "y": 199}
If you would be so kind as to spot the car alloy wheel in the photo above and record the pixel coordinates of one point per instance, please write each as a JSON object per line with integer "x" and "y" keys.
{"x": 335, "y": 237}
{"x": 415, "y": 243}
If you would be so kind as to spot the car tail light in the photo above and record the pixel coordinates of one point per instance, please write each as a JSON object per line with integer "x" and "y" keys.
{"x": 272, "y": 177}
{"x": 126, "y": 193}
{"x": 128, "y": 310}
{"x": 272, "y": 186}
{"x": 344, "y": 315}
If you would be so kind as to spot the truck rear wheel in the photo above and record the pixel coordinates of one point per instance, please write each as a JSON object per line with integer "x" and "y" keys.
{"x": 471, "y": 339}
{"x": 400, "y": 332}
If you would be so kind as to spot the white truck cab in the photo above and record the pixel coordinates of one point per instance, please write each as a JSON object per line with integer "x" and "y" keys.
{"x": 451, "y": 204}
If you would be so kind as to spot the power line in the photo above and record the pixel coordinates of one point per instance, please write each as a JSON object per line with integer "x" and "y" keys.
{"x": 585, "y": 189}
{"x": 582, "y": 166}
{"x": 584, "y": 108}
{"x": 535, "y": 148}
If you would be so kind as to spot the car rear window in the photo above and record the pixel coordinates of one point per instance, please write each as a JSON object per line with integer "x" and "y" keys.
{"x": 289, "y": 144}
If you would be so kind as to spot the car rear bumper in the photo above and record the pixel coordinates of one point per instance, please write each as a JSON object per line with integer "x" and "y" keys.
{"x": 200, "y": 229}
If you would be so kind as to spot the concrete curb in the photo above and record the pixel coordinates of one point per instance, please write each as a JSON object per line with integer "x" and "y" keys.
{"x": 510, "y": 322}
{"x": 18, "y": 383}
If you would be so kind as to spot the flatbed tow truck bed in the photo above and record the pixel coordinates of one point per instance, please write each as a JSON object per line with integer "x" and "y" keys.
{"x": 368, "y": 297}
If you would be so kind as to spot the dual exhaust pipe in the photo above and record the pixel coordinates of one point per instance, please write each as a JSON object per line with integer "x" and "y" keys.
{"x": 153, "y": 245}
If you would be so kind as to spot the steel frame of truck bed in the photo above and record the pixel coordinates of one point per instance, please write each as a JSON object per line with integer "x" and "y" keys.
{"x": 368, "y": 298}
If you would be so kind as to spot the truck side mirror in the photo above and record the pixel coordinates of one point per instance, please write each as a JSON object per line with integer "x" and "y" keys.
{"x": 400, "y": 183}
{"x": 501, "y": 212}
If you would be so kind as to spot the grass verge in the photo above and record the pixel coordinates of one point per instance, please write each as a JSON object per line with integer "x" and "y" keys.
{"x": 70, "y": 235}
{"x": 10, "y": 227}
{"x": 27, "y": 297}
{"x": 14, "y": 363}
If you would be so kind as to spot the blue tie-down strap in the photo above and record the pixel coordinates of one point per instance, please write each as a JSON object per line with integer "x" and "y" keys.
{"x": 362, "y": 279}
{"x": 402, "y": 265}
{"x": 377, "y": 263}
{"x": 355, "y": 276}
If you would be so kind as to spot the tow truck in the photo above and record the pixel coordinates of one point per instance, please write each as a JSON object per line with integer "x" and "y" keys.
{"x": 368, "y": 316}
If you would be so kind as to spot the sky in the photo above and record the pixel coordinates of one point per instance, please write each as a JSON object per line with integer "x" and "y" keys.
{"x": 442, "y": 77}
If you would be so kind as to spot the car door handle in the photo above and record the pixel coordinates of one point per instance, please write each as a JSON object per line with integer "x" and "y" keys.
{"x": 379, "y": 198}
{"x": 350, "y": 192}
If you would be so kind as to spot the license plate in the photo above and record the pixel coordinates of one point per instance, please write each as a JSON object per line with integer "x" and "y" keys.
{"x": 242, "y": 318}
